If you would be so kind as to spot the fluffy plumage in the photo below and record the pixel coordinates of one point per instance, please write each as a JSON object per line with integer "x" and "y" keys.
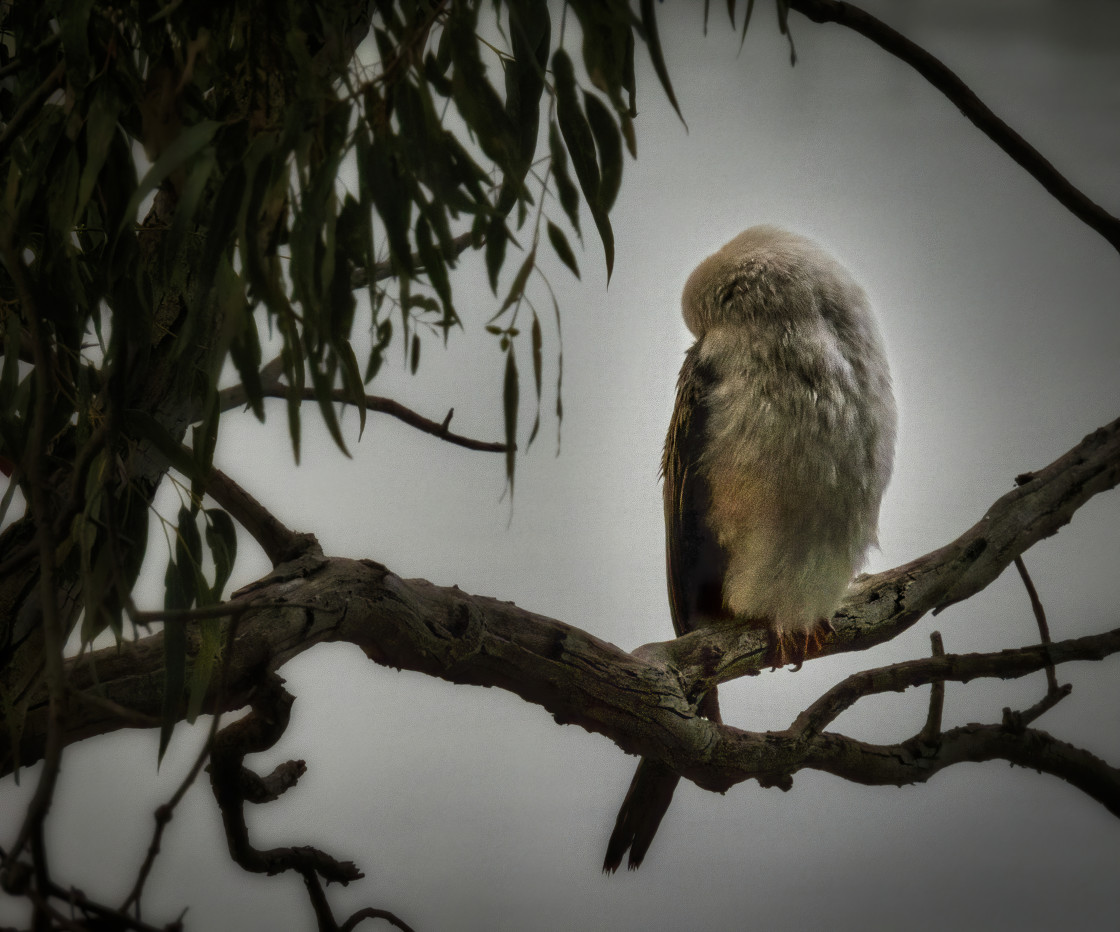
{"x": 778, "y": 453}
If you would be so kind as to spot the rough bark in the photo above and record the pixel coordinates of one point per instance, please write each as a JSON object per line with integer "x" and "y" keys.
{"x": 644, "y": 701}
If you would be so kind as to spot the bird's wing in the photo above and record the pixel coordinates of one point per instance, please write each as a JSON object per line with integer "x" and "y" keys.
{"x": 695, "y": 563}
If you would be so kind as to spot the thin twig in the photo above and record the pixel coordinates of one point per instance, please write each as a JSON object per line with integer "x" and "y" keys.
{"x": 383, "y": 270}
{"x": 979, "y": 114}
{"x": 1006, "y": 664}
{"x": 272, "y": 387}
{"x": 370, "y": 913}
{"x": 932, "y": 728}
{"x": 1040, "y": 617}
{"x": 279, "y": 542}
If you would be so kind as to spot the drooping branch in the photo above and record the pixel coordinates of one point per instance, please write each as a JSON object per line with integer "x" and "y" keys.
{"x": 979, "y": 114}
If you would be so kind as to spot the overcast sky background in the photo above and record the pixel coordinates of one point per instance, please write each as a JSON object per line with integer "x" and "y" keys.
{"x": 469, "y": 809}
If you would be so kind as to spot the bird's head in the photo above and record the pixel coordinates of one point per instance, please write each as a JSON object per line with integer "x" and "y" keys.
{"x": 765, "y": 275}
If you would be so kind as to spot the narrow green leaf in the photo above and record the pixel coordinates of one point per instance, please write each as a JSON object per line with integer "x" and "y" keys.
{"x": 390, "y": 191}
{"x": 566, "y": 190}
{"x": 434, "y": 265}
{"x": 608, "y": 140}
{"x": 474, "y": 96}
{"x": 538, "y": 342}
{"x": 64, "y": 196}
{"x": 746, "y": 22}
{"x": 377, "y": 352}
{"x": 414, "y": 360}
{"x": 559, "y": 374}
{"x": 581, "y": 146}
{"x": 496, "y": 238}
{"x": 653, "y": 42}
{"x": 185, "y": 211}
{"x": 221, "y": 538}
{"x": 205, "y": 663}
{"x": 190, "y": 141}
{"x": 783, "y": 25}
{"x": 188, "y": 553}
{"x": 101, "y": 125}
{"x": 74, "y": 22}
{"x": 174, "y": 677}
{"x": 510, "y": 401}
{"x": 352, "y": 382}
{"x": 529, "y": 30}
{"x": 517, "y": 289}
{"x": 563, "y": 248}
{"x": 324, "y": 393}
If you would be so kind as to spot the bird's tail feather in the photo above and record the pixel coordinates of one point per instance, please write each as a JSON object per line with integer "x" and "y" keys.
{"x": 647, "y": 801}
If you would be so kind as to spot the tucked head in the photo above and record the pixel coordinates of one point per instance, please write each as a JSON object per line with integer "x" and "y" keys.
{"x": 763, "y": 274}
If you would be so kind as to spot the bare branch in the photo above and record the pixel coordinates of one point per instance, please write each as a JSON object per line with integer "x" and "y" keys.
{"x": 399, "y": 411}
{"x": 273, "y": 387}
{"x": 956, "y": 91}
{"x": 258, "y": 731}
{"x": 906, "y": 763}
{"x": 1040, "y": 617}
{"x": 932, "y": 729}
{"x": 960, "y": 668}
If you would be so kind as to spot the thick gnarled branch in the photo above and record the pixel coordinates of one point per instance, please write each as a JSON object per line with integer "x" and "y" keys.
{"x": 646, "y": 701}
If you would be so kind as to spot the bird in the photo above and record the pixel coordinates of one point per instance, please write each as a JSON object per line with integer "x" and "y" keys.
{"x": 778, "y": 453}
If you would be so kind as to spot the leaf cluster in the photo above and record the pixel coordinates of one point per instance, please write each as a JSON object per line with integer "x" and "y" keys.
{"x": 173, "y": 189}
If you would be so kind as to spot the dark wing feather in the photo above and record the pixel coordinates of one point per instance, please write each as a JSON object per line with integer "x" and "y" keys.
{"x": 695, "y": 566}
{"x": 694, "y": 561}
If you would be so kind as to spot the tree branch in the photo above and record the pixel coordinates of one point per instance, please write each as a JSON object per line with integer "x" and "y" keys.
{"x": 278, "y": 541}
{"x": 956, "y": 91}
{"x": 645, "y": 702}
{"x": 878, "y": 608}
{"x": 272, "y": 387}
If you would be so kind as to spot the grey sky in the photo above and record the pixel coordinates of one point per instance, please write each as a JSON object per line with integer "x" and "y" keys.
{"x": 469, "y": 809}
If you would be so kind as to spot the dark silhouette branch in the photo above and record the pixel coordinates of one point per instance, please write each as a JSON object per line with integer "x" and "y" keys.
{"x": 959, "y": 668}
{"x": 273, "y": 387}
{"x": 932, "y": 728}
{"x": 1040, "y": 618}
{"x": 279, "y": 542}
{"x": 956, "y": 91}
{"x": 258, "y": 731}
{"x": 400, "y": 412}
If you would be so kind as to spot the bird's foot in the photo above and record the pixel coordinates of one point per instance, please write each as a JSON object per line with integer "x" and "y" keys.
{"x": 796, "y": 648}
